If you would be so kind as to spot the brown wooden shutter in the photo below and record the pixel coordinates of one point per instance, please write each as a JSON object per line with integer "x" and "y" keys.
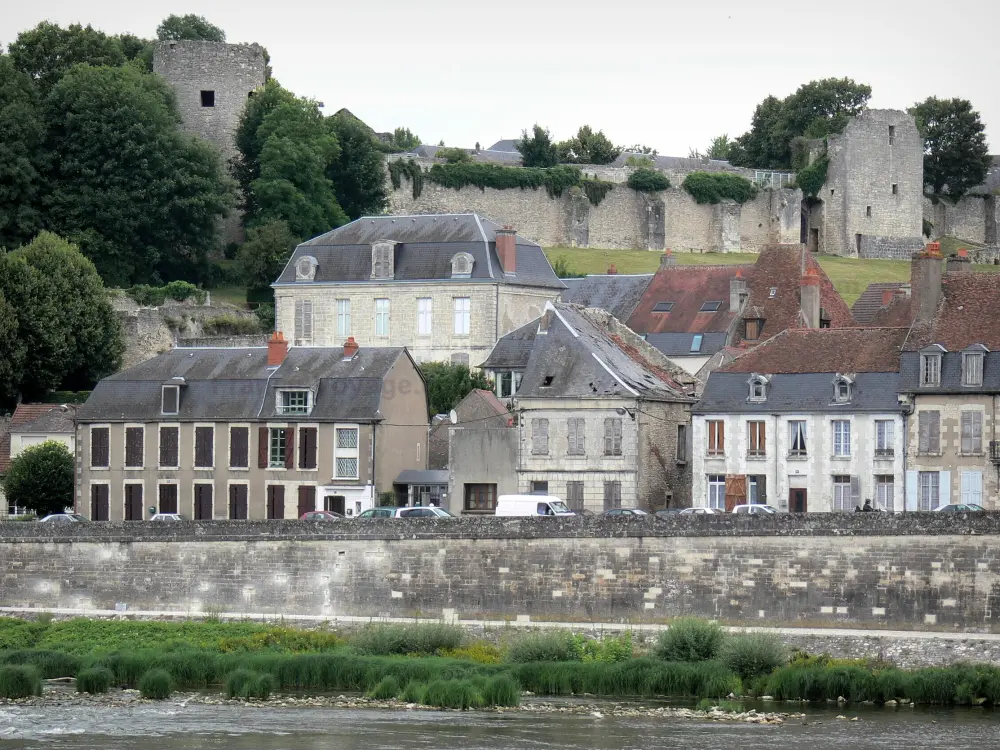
{"x": 204, "y": 448}
{"x": 168, "y": 446}
{"x": 275, "y": 501}
{"x": 307, "y": 499}
{"x": 100, "y": 505}
{"x": 99, "y": 448}
{"x": 239, "y": 438}
{"x": 238, "y": 502}
{"x": 307, "y": 448}
{"x": 721, "y": 437}
{"x": 133, "y": 447}
{"x": 289, "y": 447}
{"x": 262, "y": 447}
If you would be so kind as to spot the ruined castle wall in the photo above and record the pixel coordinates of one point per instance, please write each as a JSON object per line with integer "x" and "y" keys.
{"x": 966, "y": 219}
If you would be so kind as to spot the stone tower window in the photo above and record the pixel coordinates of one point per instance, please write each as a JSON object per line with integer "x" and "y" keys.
{"x": 868, "y": 211}
{"x": 895, "y": 189}
{"x": 208, "y": 98}
{"x": 892, "y": 134}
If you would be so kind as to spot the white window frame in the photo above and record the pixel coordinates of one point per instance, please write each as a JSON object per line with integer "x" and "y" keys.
{"x": 194, "y": 446}
{"x": 272, "y": 436}
{"x": 842, "y": 391}
{"x": 713, "y": 428}
{"x": 229, "y": 450}
{"x": 972, "y": 368}
{"x": 843, "y": 498}
{"x": 382, "y": 309}
{"x": 798, "y": 432}
{"x": 90, "y": 447}
{"x": 425, "y": 316}
{"x": 928, "y": 490}
{"x": 281, "y": 408}
{"x": 142, "y": 464}
{"x": 163, "y": 393}
{"x": 885, "y": 492}
{"x": 716, "y": 496}
{"x": 758, "y": 389}
{"x": 841, "y": 429}
{"x": 930, "y": 370}
{"x": 463, "y": 315}
{"x": 885, "y": 438}
{"x": 343, "y": 318}
{"x": 347, "y": 453}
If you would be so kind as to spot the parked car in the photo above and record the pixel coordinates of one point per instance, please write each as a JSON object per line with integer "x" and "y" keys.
{"x": 618, "y": 512}
{"x": 755, "y": 509}
{"x": 166, "y": 517}
{"x": 378, "y": 513}
{"x": 431, "y": 511}
{"x": 531, "y": 505}
{"x": 700, "y": 511}
{"x": 320, "y": 515}
{"x": 63, "y": 518}
{"x": 959, "y": 508}
{"x": 666, "y": 512}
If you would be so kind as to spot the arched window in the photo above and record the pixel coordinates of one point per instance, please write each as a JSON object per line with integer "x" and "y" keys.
{"x": 305, "y": 268}
{"x": 461, "y": 266}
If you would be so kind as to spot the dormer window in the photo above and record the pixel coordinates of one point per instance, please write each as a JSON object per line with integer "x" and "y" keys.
{"x": 294, "y": 402}
{"x": 461, "y": 266}
{"x": 758, "y": 388}
{"x": 305, "y": 268}
{"x": 842, "y": 389}
{"x": 752, "y": 328}
{"x": 663, "y": 307}
{"x": 383, "y": 259}
{"x": 972, "y": 365}
{"x": 930, "y": 366}
{"x": 170, "y": 398}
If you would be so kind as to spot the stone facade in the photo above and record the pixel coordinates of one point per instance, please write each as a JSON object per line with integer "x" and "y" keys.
{"x": 914, "y": 571}
{"x": 494, "y": 311}
{"x": 973, "y": 218}
{"x": 480, "y": 455}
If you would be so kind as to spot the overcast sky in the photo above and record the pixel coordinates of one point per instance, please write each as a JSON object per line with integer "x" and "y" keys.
{"x": 666, "y": 73}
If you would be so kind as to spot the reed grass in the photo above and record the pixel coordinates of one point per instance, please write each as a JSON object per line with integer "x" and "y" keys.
{"x": 501, "y": 690}
{"x": 155, "y": 685}
{"x": 94, "y": 680}
{"x": 50, "y": 664}
{"x": 418, "y": 638}
{"x": 461, "y": 694}
{"x": 414, "y": 692}
{"x": 753, "y": 654}
{"x": 549, "y": 645}
{"x": 20, "y": 681}
{"x": 387, "y": 689}
{"x": 249, "y": 685}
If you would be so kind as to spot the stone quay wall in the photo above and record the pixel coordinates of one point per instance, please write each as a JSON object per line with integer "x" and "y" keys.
{"x": 912, "y": 571}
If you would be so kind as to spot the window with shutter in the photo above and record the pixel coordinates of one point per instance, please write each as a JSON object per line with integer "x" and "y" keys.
{"x": 716, "y": 437}
{"x": 134, "y": 447}
{"x": 307, "y": 499}
{"x": 303, "y": 322}
{"x": 929, "y": 432}
{"x": 238, "y": 502}
{"x": 972, "y": 487}
{"x": 100, "y": 502}
{"x": 929, "y": 490}
{"x": 756, "y": 436}
{"x": 539, "y": 437}
{"x": 169, "y": 437}
{"x": 202, "y": 502}
{"x": 574, "y": 495}
{"x": 239, "y": 447}
{"x": 612, "y": 436}
{"x": 972, "y": 432}
{"x": 307, "y": 448}
{"x": 275, "y": 501}
{"x": 575, "y": 434}
{"x": 843, "y": 498}
{"x": 167, "y": 496}
{"x": 263, "y": 447}
{"x": 682, "y": 443}
{"x": 100, "y": 443}
{"x": 612, "y": 495}
{"x": 204, "y": 449}
{"x": 289, "y": 448}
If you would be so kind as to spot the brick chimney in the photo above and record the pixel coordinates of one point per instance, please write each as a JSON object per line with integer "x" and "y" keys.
{"x": 507, "y": 249}
{"x": 350, "y": 348}
{"x": 925, "y": 282}
{"x": 612, "y": 270}
{"x": 959, "y": 262}
{"x": 809, "y": 298}
{"x": 277, "y": 349}
{"x": 737, "y": 291}
{"x": 668, "y": 259}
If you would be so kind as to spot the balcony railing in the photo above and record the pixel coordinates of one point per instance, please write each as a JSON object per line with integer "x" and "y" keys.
{"x": 995, "y": 451}
{"x": 884, "y": 453}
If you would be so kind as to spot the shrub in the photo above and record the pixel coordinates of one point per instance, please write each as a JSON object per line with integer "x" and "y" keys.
{"x": 609, "y": 649}
{"x": 246, "y": 684}
{"x": 501, "y": 690}
{"x": 556, "y": 180}
{"x": 414, "y": 692}
{"x": 429, "y": 638}
{"x": 480, "y": 652}
{"x": 812, "y": 178}
{"x": 713, "y": 187}
{"x": 753, "y": 654}
{"x": 94, "y": 680}
{"x": 19, "y": 681}
{"x": 647, "y": 180}
{"x": 551, "y": 645}
{"x": 387, "y": 689}
{"x": 155, "y": 685}
{"x": 689, "y": 639}
{"x": 231, "y": 325}
{"x": 155, "y": 296}
{"x": 452, "y": 694}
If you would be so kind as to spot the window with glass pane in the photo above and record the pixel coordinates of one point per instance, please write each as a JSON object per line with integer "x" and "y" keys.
{"x": 929, "y": 494}
{"x": 972, "y": 369}
{"x": 841, "y": 437}
{"x": 463, "y": 315}
{"x": 884, "y": 438}
{"x": 716, "y": 437}
{"x": 797, "y": 438}
{"x": 717, "y": 491}
{"x": 505, "y": 384}
{"x": 295, "y": 402}
{"x": 480, "y": 497}
{"x": 842, "y": 499}
{"x": 612, "y": 436}
{"x": 424, "y": 316}
{"x": 885, "y": 492}
{"x": 278, "y": 446}
{"x": 972, "y": 432}
{"x": 756, "y": 447}
{"x": 346, "y": 453}
{"x": 381, "y": 317}
{"x": 930, "y": 369}
{"x": 343, "y": 318}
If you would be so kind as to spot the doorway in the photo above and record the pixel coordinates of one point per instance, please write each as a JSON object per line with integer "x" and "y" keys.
{"x": 133, "y": 502}
{"x": 203, "y": 502}
{"x": 99, "y": 502}
{"x": 238, "y": 501}
{"x": 797, "y": 500}
{"x": 814, "y": 240}
{"x": 335, "y": 503}
{"x": 307, "y": 499}
{"x": 275, "y": 501}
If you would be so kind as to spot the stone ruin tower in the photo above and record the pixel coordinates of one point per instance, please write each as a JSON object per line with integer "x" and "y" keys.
{"x": 212, "y": 82}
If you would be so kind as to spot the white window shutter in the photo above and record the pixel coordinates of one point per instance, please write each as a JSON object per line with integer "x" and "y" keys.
{"x": 945, "y": 484}
{"x": 856, "y": 491}
{"x": 911, "y": 490}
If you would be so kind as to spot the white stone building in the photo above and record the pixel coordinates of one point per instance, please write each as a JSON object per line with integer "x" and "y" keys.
{"x": 445, "y": 286}
{"x": 808, "y": 421}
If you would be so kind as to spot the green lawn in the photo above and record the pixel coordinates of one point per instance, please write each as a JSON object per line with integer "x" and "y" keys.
{"x": 233, "y": 295}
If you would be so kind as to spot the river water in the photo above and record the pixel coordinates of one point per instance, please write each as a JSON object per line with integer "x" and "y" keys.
{"x": 172, "y": 726}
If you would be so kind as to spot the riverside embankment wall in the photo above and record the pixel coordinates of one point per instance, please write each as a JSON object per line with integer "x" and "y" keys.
{"x": 914, "y": 571}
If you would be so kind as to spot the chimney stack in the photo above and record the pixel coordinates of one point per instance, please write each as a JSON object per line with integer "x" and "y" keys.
{"x": 737, "y": 291}
{"x": 350, "y": 348}
{"x": 887, "y": 296}
{"x": 959, "y": 262}
{"x": 925, "y": 282}
{"x": 809, "y": 298}
{"x": 277, "y": 349}
{"x": 507, "y": 249}
{"x": 668, "y": 259}
{"x": 612, "y": 270}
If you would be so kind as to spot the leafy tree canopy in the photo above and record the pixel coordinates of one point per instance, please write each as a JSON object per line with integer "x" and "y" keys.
{"x": 46, "y": 52}
{"x": 815, "y": 110}
{"x": 453, "y": 155}
{"x": 357, "y": 171}
{"x": 189, "y": 26}
{"x": 404, "y": 140}
{"x": 956, "y": 157}
{"x": 22, "y": 132}
{"x": 719, "y": 147}
{"x": 448, "y": 383}
{"x": 69, "y": 334}
{"x": 639, "y": 148}
{"x": 40, "y": 478}
{"x": 13, "y": 348}
{"x": 249, "y": 144}
{"x": 140, "y": 198}
{"x": 588, "y": 147}
{"x": 264, "y": 254}
{"x": 537, "y": 149}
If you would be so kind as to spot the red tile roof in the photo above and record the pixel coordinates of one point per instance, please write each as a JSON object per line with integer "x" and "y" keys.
{"x": 875, "y": 300}
{"x": 966, "y": 315}
{"x": 688, "y": 288}
{"x": 805, "y": 350}
{"x": 23, "y": 414}
{"x": 780, "y": 267}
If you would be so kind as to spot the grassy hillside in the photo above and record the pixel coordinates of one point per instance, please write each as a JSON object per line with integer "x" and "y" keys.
{"x": 850, "y": 275}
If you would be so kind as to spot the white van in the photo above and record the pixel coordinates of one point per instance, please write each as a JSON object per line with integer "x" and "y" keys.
{"x": 531, "y": 505}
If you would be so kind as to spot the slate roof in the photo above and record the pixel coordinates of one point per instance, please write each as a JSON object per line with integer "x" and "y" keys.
{"x": 780, "y": 267}
{"x": 231, "y": 384}
{"x": 511, "y": 352}
{"x": 507, "y": 144}
{"x": 870, "y": 303}
{"x": 810, "y": 350}
{"x": 619, "y": 294}
{"x": 966, "y": 314}
{"x": 688, "y": 288}
{"x": 679, "y": 163}
{"x": 498, "y": 156}
{"x": 728, "y": 392}
{"x": 951, "y": 374}
{"x": 680, "y": 344}
{"x": 426, "y": 245}
{"x": 26, "y": 415}
{"x": 578, "y": 358}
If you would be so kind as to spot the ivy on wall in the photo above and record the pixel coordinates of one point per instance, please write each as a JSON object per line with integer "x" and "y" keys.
{"x": 714, "y": 187}
{"x": 811, "y": 179}
{"x": 409, "y": 169}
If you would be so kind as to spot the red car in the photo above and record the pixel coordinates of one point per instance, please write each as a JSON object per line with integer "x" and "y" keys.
{"x": 320, "y": 515}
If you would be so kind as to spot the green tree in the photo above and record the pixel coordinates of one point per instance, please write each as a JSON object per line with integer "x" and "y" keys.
{"x": 404, "y": 140}
{"x": 46, "y": 52}
{"x": 639, "y": 148}
{"x": 22, "y": 132}
{"x": 537, "y": 149}
{"x": 448, "y": 383}
{"x": 956, "y": 157}
{"x": 453, "y": 155}
{"x": 763, "y": 145}
{"x": 40, "y": 478}
{"x": 12, "y": 361}
{"x": 189, "y": 26}
{"x": 264, "y": 254}
{"x": 70, "y": 334}
{"x": 249, "y": 143}
{"x": 588, "y": 147}
{"x": 293, "y": 186}
{"x": 357, "y": 171}
{"x": 141, "y": 199}
{"x": 138, "y": 49}
{"x": 719, "y": 147}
